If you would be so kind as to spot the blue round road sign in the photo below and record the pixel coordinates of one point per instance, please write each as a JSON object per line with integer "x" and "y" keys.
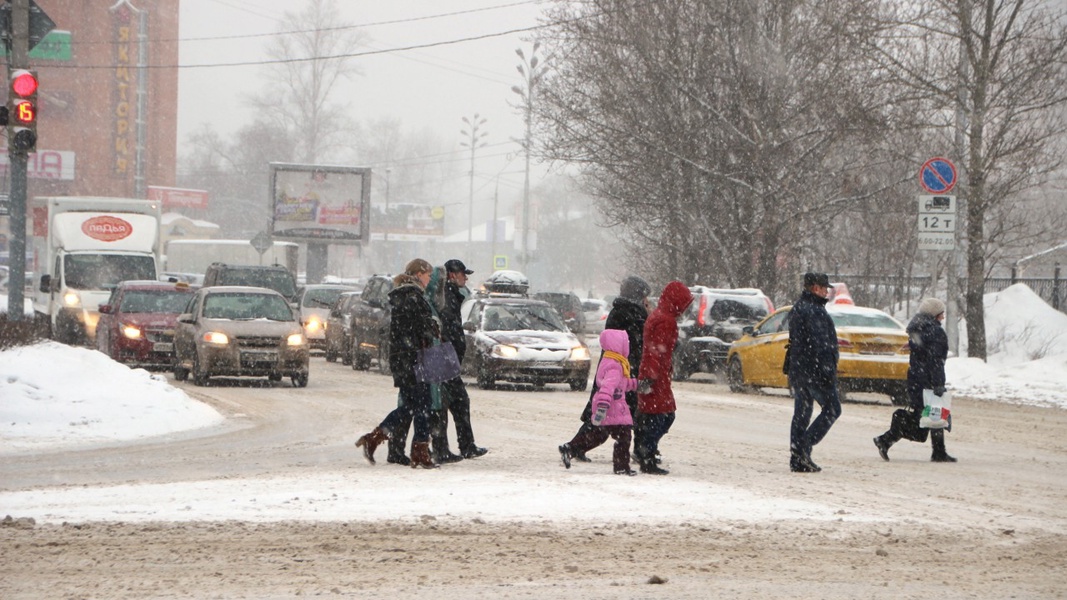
{"x": 938, "y": 176}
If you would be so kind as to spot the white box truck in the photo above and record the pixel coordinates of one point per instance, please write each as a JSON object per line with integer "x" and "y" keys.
{"x": 186, "y": 259}
{"x": 82, "y": 248}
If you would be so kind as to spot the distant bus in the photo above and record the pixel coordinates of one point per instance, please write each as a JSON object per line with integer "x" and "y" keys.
{"x": 194, "y": 256}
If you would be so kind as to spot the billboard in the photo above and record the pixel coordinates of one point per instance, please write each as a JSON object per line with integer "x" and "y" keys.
{"x": 319, "y": 203}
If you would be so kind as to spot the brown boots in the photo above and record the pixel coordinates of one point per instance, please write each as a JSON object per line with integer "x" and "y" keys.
{"x": 370, "y": 442}
{"x": 420, "y": 456}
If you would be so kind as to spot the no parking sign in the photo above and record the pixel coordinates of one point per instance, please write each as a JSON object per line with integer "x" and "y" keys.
{"x": 938, "y": 176}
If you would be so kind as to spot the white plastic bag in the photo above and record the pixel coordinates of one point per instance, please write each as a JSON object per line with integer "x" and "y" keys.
{"x": 937, "y": 410}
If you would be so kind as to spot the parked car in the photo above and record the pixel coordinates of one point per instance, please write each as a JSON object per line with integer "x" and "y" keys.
{"x": 314, "y": 302}
{"x": 715, "y": 319}
{"x": 338, "y": 324}
{"x": 594, "y": 315}
{"x": 273, "y": 277}
{"x": 518, "y": 339}
{"x": 873, "y": 349}
{"x": 369, "y": 329}
{"x": 568, "y": 305}
{"x": 240, "y": 331}
{"x": 137, "y": 322}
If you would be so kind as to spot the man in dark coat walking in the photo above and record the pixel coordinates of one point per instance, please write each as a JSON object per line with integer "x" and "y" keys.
{"x": 928, "y": 343}
{"x": 628, "y": 313}
{"x": 812, "y": 362}
{"x": 459, "y": 402}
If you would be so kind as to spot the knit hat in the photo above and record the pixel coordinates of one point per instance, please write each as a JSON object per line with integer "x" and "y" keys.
{"x": 931, "y": 306}
{"x": 634, "y": 288}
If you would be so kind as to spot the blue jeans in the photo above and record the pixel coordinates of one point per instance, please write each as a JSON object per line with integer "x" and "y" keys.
{"x": 414, "y": 406}
{"x": 648, "y": 430}
{"x": 805, "y": 395}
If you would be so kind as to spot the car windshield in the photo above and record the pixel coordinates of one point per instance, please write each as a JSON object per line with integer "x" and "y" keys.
{"x": 322, "y": 297}
{"x": 145, "y": 301}
{"x": 875, "y": 320}
{"x": 105, "y": 271}
{"x": 741, "y": 309}
{"x": 243, "y": 307}
{"x": 514, "y": 317}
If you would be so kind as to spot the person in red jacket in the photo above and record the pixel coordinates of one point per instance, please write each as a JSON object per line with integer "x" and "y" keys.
{"x": 655, "y": 400}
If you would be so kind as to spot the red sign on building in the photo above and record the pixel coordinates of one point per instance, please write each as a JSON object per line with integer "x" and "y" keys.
{"x": 172, "y": 198}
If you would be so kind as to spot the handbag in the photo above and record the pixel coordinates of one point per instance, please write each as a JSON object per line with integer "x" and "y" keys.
{"x": 937, "y": 410}
{"x": 437, "y": 363}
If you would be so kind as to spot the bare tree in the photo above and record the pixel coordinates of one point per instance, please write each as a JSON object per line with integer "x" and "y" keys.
{"x": 1006, "y": 95}
{"x": 723, "y": 136}
{"x": 310, "y": 48}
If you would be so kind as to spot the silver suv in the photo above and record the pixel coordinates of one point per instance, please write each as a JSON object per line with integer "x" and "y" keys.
{"x": 715, "y": 319}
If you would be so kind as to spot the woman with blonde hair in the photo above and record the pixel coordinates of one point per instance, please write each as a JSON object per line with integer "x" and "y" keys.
{"x": 411, "y": 328}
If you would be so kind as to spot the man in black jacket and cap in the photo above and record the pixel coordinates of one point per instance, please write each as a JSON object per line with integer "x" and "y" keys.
{"x": 459, "y": 402}
{"x": 812, "y": 363}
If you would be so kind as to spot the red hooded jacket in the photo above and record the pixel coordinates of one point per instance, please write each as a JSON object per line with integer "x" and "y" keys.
{"x": 660, "y": 336}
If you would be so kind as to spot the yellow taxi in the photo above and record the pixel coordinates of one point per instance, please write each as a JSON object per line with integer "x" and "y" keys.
{"x": 873, "y": 348}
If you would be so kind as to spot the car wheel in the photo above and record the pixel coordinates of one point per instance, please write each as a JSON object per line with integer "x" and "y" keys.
{"x": 180, "y": 372}
{"x": 331, "y": 354}
{"x": 200, "y": 376}
{"x": 579, "y": 385}
{"x": 735, "y": 376}
{"x": 346, "y": 352}
{"x": 383, "y": 357}
{"x": 486, "y": 380}
{"x": 274, "y": 377}
{"x": 360, "y": 360}
{"x": 300, "y": 379}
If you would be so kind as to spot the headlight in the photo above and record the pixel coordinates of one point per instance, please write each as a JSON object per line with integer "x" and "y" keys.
{"x": 130, "y": 331}
{"x": 579, "y": 353}
{"x": 504, "y": 351}
{"x": 297, "y": 339}
{"x": 71, "y": 299}
{"x": 215, "y": 337}
{"x": 313, "y": 324}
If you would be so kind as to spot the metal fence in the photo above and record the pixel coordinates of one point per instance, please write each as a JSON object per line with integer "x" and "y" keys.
{"x": 888, "y": 290}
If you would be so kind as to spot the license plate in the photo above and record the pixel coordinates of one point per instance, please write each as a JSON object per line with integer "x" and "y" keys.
{"x": 163, "y": 347}
{"x": 259, "y": 356}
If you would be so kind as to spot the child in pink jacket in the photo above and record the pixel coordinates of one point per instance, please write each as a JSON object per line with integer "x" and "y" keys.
{"x": 611, "y": 414}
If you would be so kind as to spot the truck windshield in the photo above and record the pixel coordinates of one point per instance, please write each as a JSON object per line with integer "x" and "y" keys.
{"x": 105, "y": 271}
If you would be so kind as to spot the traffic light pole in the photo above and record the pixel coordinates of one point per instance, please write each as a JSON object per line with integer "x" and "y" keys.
{"x": 18, "y": 57}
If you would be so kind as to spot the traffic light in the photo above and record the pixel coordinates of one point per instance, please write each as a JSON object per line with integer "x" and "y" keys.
{"x": 22, "y": 111}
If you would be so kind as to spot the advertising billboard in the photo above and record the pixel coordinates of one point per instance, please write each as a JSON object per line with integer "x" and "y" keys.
{"x": 319, "y": 203}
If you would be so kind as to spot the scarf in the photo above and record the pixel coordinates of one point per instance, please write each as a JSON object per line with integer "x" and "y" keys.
{"x": 622, "y": 360}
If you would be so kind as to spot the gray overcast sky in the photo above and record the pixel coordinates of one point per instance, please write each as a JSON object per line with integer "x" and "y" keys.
{"x": 433, "y": 87}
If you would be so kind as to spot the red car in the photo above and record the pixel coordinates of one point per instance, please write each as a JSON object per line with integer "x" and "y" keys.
{"x": 137, "y": 324}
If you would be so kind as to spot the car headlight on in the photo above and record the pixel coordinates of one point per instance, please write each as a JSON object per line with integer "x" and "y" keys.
{"x": 297, "y": 339}
{"x": 216, "y": 337}
{"x": 313, "y": 324}
{"x": 72, "y": 299}
{"x": 505, "y": 351}
{"x": 131, "y": 331}
{"x": 579, "y": 353}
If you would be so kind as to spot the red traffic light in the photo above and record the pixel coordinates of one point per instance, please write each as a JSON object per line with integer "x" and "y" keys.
{"x": 24, "y": 84}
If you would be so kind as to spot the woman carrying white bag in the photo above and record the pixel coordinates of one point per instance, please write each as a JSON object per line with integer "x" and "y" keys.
{"x": 926, "y": 371}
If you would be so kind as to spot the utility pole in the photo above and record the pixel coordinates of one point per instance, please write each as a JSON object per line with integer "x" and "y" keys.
{"x": 473, "y": 141}
{"x": 531, "y": 77}
{"x": 18, "y": 58}
{"x": 952, "y": 306}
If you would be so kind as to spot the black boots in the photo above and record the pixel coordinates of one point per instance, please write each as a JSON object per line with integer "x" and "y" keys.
{"x": 883, "y": 446}
{"x": 648, "y": 465}
{"x": 937, "y": 440}
{"x": 565, "y": 455}
{"x": 802, "y": 463}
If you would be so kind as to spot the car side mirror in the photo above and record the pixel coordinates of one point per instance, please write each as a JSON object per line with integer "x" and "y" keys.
{"x": 46, "y": 283}
{"x": 186, "y": 318}
{"x": 105, "y": 309}
{"x": 470, "y": 326}
{"x": 748, "y": 330}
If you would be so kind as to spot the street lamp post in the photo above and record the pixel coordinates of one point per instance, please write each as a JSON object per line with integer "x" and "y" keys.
{"x": 385, "y": 216}
{"x": 471, "y": 131}
{"x": 531, "y": 74}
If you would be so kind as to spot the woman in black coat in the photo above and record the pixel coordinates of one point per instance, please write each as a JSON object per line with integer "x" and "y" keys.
{"x": 926, "y": 371}
{"x": 411, "y": 328}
